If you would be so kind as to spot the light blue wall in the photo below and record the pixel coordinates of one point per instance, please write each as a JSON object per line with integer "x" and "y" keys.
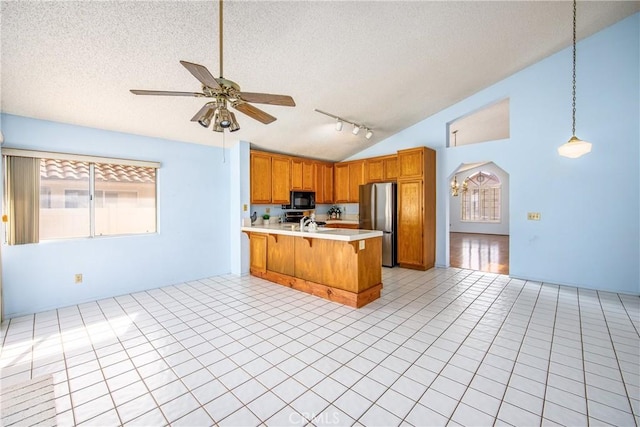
{"x": 193, "y": 238}
{"x": 240, "y": 197}
{"x": 589, "y": 233}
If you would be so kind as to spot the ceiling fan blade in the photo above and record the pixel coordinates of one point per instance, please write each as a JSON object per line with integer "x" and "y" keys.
{"x": 267, "y": 98}
{"x": 254, "y": 112}
{"x": 201, "y": 112}
{"x": 165, "y": 93}
{"x": 201, "y": 73}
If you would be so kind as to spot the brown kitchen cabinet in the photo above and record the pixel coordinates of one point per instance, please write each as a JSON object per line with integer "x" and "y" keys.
{"x": 356, "y": 179}
{"x": 260, "y": 182}
{"x": 280, "y": 179}
{"x": 411, "y": 163}
{"x": 379, "y": 169}
{"x": 302, "y": 174}
{"x": 324, "y": 182}
{"x": 341, "y": 183}
{"x": 416, "y": 208}
{"x": 391, "y": 168}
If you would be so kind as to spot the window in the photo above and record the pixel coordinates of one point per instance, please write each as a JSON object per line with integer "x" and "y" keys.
{"x": 481, "y": 198}
{"x": 85, "y": 198}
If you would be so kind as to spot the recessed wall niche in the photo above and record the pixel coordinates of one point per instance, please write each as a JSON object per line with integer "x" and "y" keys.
{"x": 489, "y": 123}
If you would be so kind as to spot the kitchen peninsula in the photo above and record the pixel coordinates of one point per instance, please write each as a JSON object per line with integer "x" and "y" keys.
{"x": 341, "y": 265}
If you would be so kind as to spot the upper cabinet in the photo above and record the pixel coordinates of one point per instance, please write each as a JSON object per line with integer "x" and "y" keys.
{"x": 260, "y": 177}
{"x": 303, "y": 174}
{"x": 348, "y": 176}
{"x": 324, "y": 182}
{"x": 341, "y": 183}
{"x": 280, "y": 179}
{"x": 411, "y": 163}
{"x": 377, "y": 169}
{"x": 270, "y": 178}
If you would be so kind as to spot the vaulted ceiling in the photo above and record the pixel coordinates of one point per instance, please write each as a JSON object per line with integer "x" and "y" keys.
{"x": 387, "y": 65}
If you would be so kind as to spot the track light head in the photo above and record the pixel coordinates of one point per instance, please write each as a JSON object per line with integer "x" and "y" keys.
{"x": 369, "y": 134}
{"x": 338, "y": 125}
{"x": 356, "y": 129}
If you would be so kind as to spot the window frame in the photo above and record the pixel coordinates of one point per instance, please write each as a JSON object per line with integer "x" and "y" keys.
{"x": 92, "y": 160}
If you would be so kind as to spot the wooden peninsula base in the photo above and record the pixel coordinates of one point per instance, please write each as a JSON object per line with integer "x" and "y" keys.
{"x": 346, "y": 270}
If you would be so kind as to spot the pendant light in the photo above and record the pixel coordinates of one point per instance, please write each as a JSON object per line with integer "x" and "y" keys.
{"x": 575, "y": 147}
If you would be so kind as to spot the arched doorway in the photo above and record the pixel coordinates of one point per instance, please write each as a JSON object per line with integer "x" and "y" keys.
{"x": 479, "y": 218}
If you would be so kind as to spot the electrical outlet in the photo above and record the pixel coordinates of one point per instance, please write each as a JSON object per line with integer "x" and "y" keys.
{"x": 78, "y": 278}
{"x": 268, "y": 210}
{"x": 361, "y": 244}
{"x": 245, "y": 207}
{"x": 533, "y": 216}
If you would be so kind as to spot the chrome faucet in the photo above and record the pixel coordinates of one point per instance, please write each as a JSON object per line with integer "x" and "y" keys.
{"x": 303, "y": 223}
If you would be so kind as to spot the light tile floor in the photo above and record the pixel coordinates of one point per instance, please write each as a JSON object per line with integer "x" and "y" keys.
{"x": 442, "y": 347}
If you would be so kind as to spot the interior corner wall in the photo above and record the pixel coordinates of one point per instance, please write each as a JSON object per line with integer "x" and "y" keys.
{"x": 590, "y": 228}
{"x": 240, "y": 197}
{"x": 501, "y": 227}
{"x": 193, "y": 183}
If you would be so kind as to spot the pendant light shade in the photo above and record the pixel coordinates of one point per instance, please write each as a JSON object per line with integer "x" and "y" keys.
{"x": 575, "y": 147}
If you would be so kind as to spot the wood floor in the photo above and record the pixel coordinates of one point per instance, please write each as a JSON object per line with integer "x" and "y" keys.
{"x": 482, "y": 252}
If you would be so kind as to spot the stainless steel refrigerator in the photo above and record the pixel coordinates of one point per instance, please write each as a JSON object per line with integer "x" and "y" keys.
{"x": 378, "y": 212}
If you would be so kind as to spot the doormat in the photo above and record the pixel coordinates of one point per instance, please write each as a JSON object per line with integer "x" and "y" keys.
{"x": 29, "y": 403}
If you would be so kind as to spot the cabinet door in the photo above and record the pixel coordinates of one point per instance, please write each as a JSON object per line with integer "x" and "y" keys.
{"x": 356, "y": 179}
{"x": 411, "y": 223}
{"x": 341, "y": 183}
{"x": 296, "y": 174}
{"x": 308, "y": 176}
{"x": 258, "y": 252}
{"x": 319, "y": 177}
{"x": 328, "y": 182}
{"x": 411, "y": 163}
{"x": 260, "y": 181}
{"x": 280, "y": 179}
{"x": 391, "y": 168}
{"x": 374, "y": 170}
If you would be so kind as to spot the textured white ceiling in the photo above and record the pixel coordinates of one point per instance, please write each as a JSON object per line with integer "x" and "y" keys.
{"x": 387, "y": 65}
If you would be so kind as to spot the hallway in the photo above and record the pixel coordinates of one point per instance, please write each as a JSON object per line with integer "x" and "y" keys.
{"x": 481, "y": 252}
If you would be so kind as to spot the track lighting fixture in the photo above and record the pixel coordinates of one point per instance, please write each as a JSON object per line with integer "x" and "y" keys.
{"x": 356, "y": 126}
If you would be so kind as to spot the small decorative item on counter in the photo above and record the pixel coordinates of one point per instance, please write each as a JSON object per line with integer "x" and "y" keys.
{"x": 253, "y": 217}
{"x": 334, "y": 212}
{"x": 266, "y": 217}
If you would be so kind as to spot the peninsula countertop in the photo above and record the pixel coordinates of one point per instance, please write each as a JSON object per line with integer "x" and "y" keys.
{"x": 291, "y": 229}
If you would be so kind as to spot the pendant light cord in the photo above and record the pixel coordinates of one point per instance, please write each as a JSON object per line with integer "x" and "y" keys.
{"x": 573, "y": 129}
{"x": 221, "y": 37}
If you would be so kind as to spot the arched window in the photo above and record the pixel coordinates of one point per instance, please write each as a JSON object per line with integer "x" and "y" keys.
{"x": 481, "y": 198}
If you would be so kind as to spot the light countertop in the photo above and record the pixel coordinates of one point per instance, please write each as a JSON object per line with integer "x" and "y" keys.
{"x": 344, "y": 234}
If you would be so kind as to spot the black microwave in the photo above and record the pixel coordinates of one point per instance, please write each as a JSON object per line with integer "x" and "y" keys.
{"x": 301, "y": 200}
